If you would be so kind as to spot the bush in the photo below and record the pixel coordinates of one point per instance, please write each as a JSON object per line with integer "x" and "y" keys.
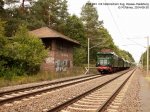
{"x": 79, "y": 56}
{"x": 23, "y": 54}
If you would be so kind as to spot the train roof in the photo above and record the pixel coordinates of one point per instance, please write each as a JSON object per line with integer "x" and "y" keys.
{"x": 113, "y": 53}
{"x": 107, "y": 53}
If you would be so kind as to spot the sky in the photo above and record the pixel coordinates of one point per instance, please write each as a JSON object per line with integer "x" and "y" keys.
{"x": 127, "y": 21}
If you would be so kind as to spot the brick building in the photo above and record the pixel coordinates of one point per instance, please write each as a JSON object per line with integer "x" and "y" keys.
{"x": 60, "y": 56}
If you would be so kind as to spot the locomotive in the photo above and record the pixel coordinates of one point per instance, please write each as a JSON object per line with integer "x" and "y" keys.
{"x": 108, "y": 62}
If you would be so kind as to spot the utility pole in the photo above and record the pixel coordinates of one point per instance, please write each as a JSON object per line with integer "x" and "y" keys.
{"x": 49, "y": 17}
{"x": 142, "y": 61}
{"x": 87, "y": 70}
{"x": 147, "y": 55}
{"x": 88, "y": 54}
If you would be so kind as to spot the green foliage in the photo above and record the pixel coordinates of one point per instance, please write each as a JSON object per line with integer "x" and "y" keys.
{"x": 127, "y": 56}
{"x": 2, "y": 30}
{"x": 3, "y": 42}
{"x": 79, "y": 56}
{"x": 2, "y": 11}
{"x": 74, "y": 29}
{"x": 22, "y": 55}
{"x": 41, "y": 76}
{"x": 106, "y": 40}
{"x": 52, "y": 12}
{"x": 12, "y": 28}
{"x": 89, "y": 17}
{"x": 143, "y": 59}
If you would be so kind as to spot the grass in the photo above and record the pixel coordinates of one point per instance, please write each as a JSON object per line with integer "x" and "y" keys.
{"x": 41, "y": 76}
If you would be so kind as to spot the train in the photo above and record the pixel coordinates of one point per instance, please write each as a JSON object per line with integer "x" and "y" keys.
{"x": 108, "y": 62}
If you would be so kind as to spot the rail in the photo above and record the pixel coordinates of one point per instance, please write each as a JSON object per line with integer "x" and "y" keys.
{"x": 78, "y": 97}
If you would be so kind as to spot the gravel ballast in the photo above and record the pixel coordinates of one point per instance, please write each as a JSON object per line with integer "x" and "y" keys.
{"x": 47, "y": 100}
{"x": 131, "y": 101}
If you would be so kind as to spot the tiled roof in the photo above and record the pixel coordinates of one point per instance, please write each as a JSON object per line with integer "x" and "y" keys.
{"x": 46, "y": 32}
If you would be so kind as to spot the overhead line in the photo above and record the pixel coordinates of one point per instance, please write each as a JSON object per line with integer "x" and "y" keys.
{"x": 114, "y": 19}
{"x": 118, "y": 27}
{"x": 137, "y": 43}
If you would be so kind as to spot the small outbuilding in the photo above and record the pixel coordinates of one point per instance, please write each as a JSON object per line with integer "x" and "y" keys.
{"x": 60, "y": 56}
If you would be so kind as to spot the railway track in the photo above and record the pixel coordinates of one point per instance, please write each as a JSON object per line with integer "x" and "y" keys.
{"x": 20, "y": 93}
{"x": 97, "y": 99}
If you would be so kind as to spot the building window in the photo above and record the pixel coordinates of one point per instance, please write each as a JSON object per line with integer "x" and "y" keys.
{"x": 47, "y": 43}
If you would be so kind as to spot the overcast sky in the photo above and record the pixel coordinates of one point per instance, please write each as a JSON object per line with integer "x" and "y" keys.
{"x": 128, "y": 21}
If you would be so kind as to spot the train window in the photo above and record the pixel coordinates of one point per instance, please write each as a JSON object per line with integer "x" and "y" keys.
{"x": 104, "y": 62}
{"x": 101, "y": 62}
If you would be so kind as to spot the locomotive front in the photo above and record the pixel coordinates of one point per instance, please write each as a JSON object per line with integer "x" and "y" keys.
{"x": 104, "y": 62}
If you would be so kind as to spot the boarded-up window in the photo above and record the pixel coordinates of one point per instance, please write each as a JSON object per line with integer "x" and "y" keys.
{"x": 47, "y": 43}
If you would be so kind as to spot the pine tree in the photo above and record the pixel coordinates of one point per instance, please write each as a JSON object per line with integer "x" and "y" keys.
{"x": 52, "y": 12}
{"x": 89, "y": 16}
{"x": 74, "y": 29}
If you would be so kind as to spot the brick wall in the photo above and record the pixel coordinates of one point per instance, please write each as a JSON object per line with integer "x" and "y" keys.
{"x": 60, "y": 57}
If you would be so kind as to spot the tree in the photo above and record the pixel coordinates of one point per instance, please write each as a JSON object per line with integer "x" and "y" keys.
{"x": 106, "y": 40}
{"x": 143, "y": 58}
{"x": 89, "y": 16}
{"x": 1, "y": 8}
{"x": 79, "y": 56}
{"x": 3, "y": 42}
{"x": 22, "y": 2}
{"x": 74, "y": 29}
{"x": 15, "y": 15}
{"x": 52, "y": 12}
{"x": 62, "y": 16}
{"x": 24, "y": 53}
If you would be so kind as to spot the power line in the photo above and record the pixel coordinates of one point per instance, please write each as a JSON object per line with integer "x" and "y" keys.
{"x": 113, "y": 19}
{"x": 131, "y": 39}
{"x": 118, "y": 26}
